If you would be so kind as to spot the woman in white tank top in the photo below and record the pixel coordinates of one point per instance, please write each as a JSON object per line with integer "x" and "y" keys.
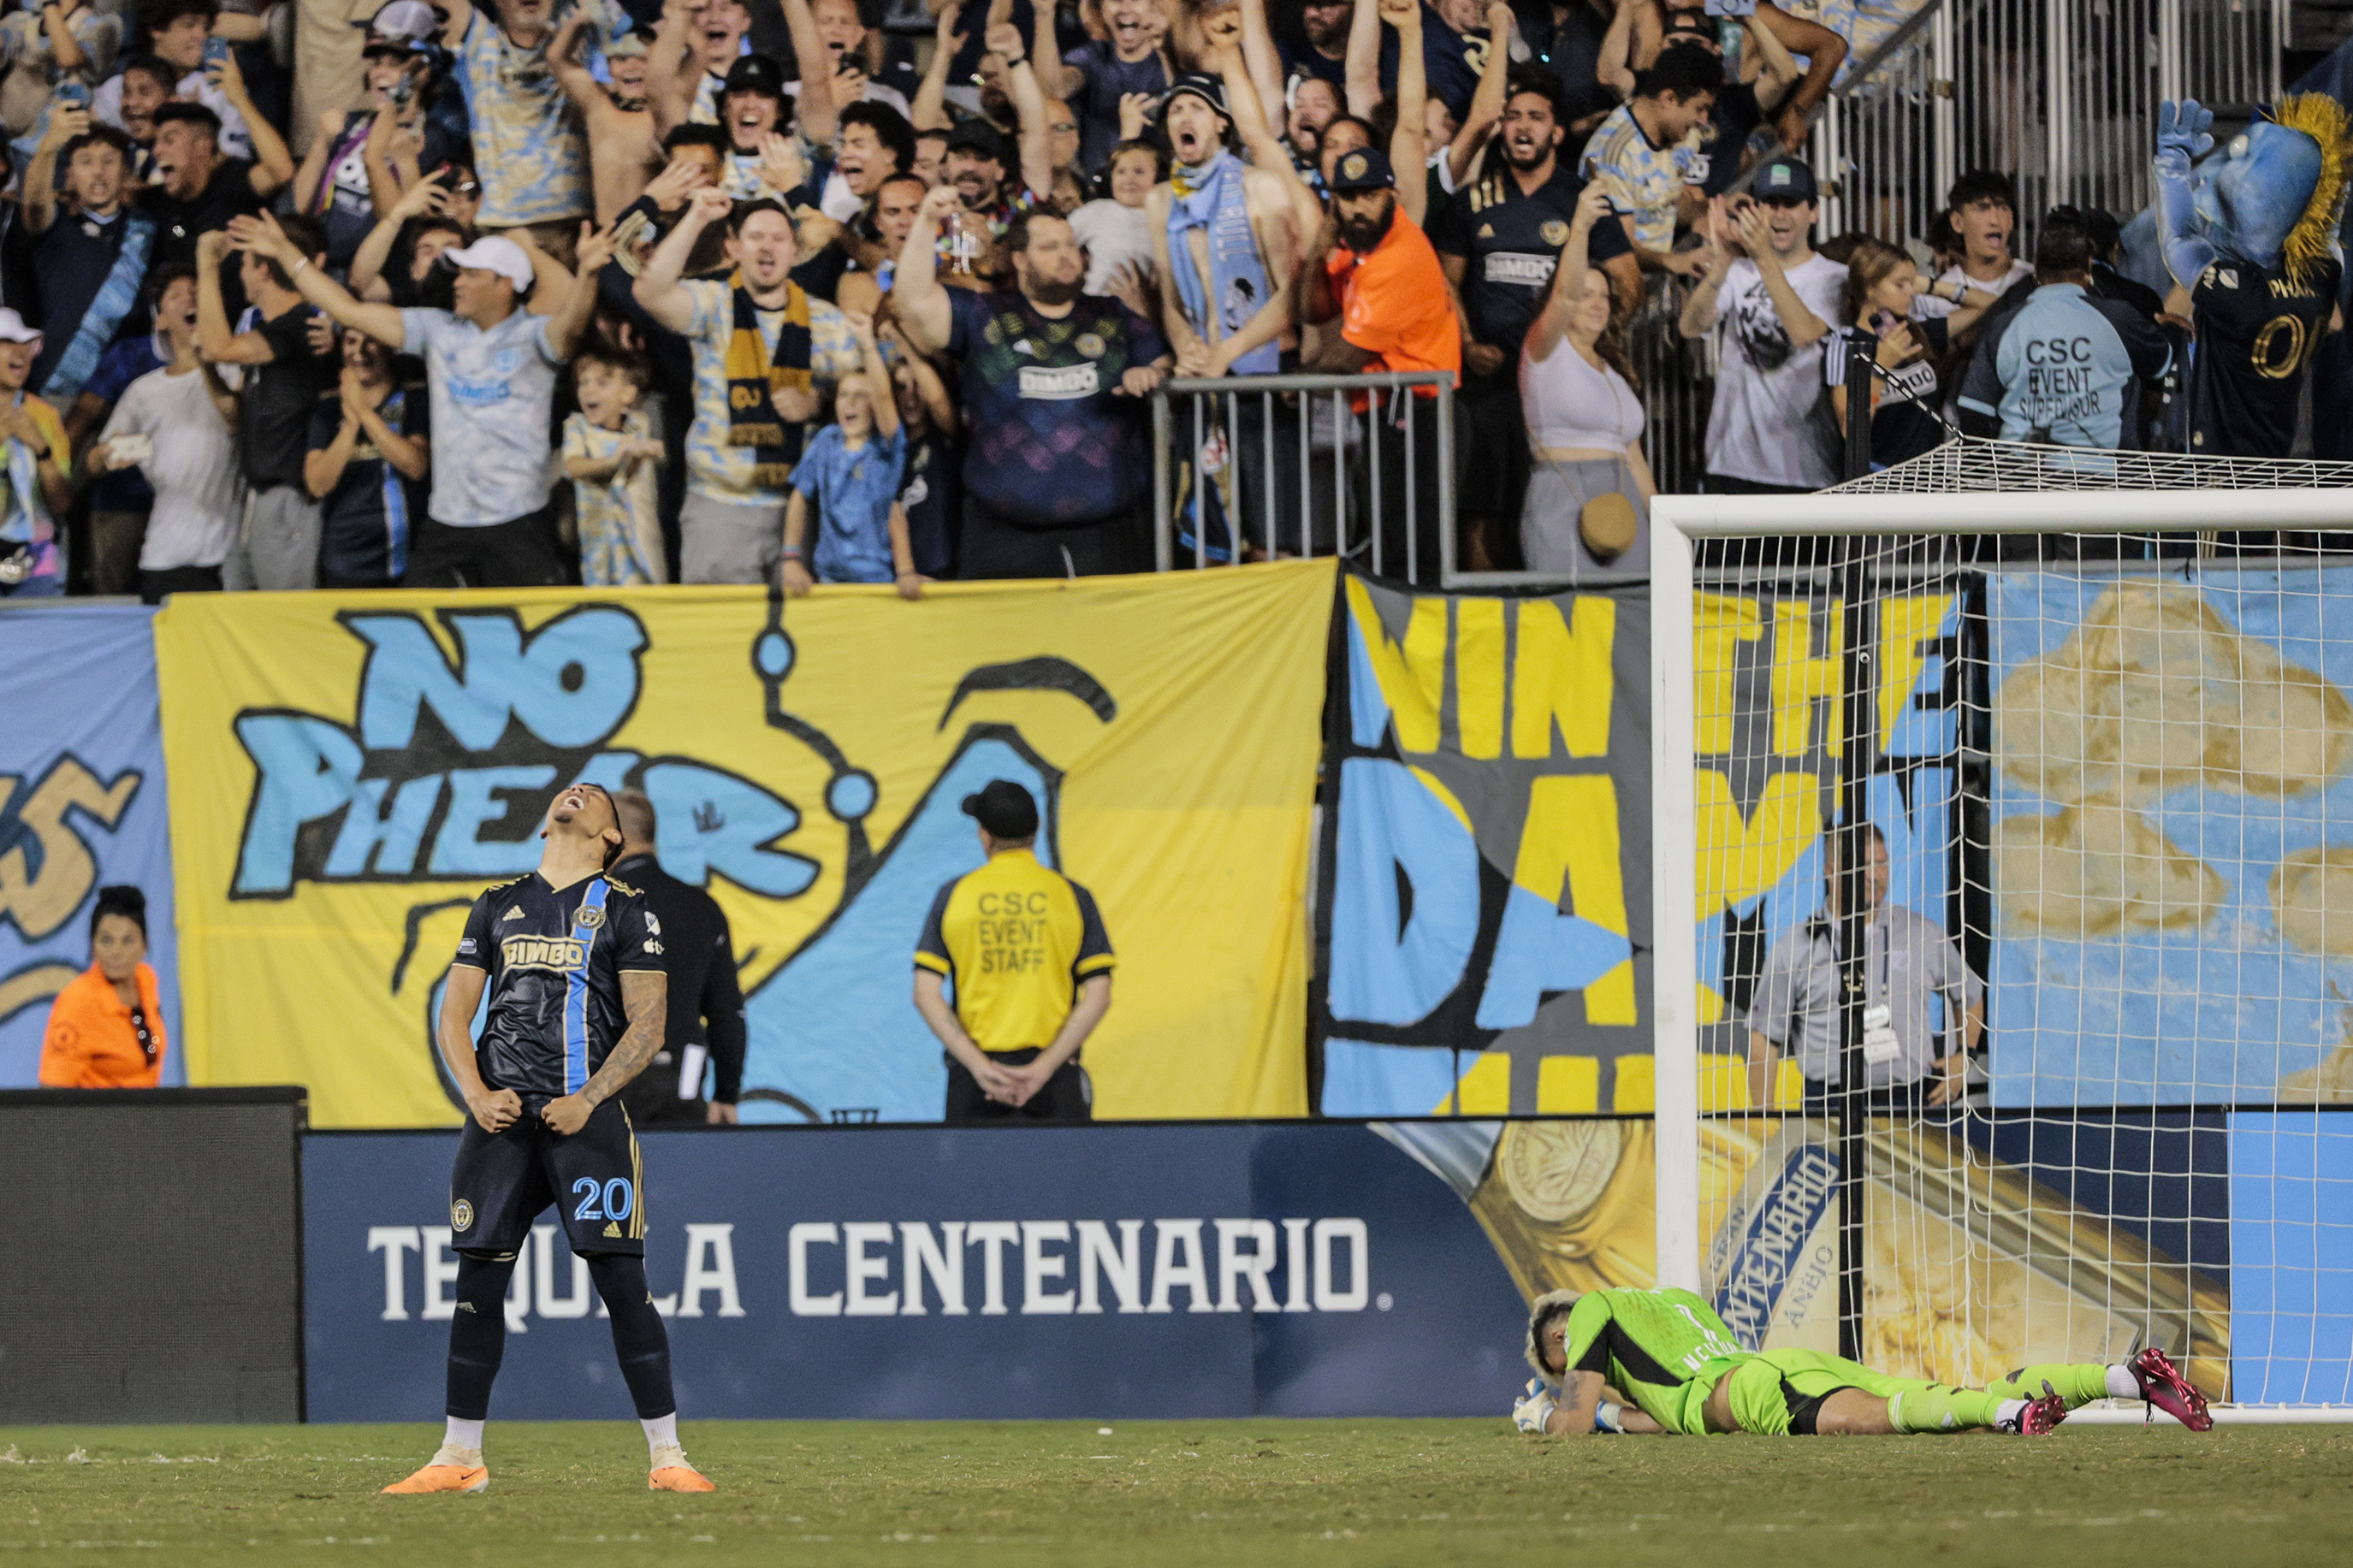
{"x": 1585, "y": 423}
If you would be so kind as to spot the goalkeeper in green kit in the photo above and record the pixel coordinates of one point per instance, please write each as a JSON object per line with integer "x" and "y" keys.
{"x": 1684, "y": 1372}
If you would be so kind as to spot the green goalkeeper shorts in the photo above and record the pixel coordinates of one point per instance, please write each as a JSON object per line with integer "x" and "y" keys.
{"x": 1779, "y": 1393}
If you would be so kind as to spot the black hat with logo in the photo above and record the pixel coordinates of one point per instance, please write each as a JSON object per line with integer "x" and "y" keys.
{"x": 1004, "y": 808}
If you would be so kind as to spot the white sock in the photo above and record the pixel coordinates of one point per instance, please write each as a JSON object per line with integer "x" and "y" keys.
{"x": 661, "y": 1432}
{"x": 2121, "y": 1384}
{"x": 2006, "y": 1415}
{"x": 461, "y": 1437}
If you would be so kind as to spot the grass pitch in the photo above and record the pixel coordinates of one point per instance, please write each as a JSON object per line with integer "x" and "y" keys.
{"x": 1229, "y": 1493}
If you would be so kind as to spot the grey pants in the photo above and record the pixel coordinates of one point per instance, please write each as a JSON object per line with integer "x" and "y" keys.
{"x": 725, "y": 541}
{"x": 1557, "y": 493}
{"x": 277, "y": 547}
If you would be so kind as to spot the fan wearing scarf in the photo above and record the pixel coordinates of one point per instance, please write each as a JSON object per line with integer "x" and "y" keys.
{"x": 34, "y": 490}
{"x": 763, "y": 352}
{"x": 1222, "y": 239}
{"x": 2250, "y": 232}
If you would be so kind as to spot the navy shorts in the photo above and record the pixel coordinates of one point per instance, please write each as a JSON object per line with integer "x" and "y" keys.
{"x": 595, "y": 1179}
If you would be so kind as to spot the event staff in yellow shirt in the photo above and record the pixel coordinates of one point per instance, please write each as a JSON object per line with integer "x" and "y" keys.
{"x": 1031, "y": 964}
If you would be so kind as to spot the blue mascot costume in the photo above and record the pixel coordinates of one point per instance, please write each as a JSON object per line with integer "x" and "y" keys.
{"x": 2250, "y": 232}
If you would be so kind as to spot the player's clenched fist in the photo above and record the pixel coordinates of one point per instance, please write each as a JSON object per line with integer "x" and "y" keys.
{"x": 567, "y": 1115}
{"x": 495, "y": 1109}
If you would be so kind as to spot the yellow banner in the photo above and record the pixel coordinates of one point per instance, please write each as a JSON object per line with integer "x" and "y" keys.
{"x": 349, "y": 770}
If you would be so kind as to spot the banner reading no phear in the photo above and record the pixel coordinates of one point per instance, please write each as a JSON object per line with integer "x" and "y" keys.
{"x": 350, "y": 771}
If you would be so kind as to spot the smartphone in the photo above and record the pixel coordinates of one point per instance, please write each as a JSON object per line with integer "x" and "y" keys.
{"x": 1732, "y": 7}
{"x": 71, "y": 93}
{"x": 130, "y": 446}
{"x": 216, "y": 51}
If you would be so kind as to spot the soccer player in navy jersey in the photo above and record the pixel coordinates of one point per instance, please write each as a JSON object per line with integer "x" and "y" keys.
{"x": 573, "y": 961}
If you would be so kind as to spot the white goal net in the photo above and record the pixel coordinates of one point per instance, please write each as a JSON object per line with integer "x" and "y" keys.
{"x": 2102, "y": 921}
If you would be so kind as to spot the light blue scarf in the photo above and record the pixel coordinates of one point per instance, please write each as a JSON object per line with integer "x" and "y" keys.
{"x": 115, "y": 298}
{"x": 1210, "y": 197}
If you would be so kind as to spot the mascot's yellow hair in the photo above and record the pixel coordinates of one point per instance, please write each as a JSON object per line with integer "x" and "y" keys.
{"x": 2324, "y": 120}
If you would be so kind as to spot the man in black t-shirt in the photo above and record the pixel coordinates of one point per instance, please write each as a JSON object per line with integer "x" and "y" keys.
{"x": 2257, "y": 329}
{"x": 1499, "y": 241}
{"x": 197, "y": 190}
{"x": 91, "y": 260}
{"x": 284, "y": 378}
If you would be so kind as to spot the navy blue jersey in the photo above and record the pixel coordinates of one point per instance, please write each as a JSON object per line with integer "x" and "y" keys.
{"x": 555, "y": 957}
{"x": 1512, "y": 242}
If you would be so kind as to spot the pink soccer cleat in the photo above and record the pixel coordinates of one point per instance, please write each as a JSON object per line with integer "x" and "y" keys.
{"x": 2162, "y": 1384}
{"x": 2041, "y": 1416}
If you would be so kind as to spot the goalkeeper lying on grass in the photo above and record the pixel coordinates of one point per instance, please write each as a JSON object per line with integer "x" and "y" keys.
{"x": 1685, "y": 1374}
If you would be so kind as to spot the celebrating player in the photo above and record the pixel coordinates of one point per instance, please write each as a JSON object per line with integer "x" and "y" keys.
{"x": 1682, "y": 1367}
{"x": 574, "y": 960}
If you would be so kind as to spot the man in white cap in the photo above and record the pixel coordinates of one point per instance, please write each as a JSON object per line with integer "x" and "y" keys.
{"x": 491, "y": 367}
{"x": 38, "y": 462}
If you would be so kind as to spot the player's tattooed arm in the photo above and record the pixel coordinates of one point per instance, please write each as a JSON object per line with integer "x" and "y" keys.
{"x": 645, "y": 1000}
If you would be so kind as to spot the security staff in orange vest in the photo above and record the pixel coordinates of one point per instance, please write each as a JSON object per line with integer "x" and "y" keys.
{"x": 106, "y": 1027}
{"x": 1032, "y": 964}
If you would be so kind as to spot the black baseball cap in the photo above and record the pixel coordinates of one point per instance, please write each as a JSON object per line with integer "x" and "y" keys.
{"x": 755, "y": 73}
{"x": 1201, "y": 85}
{"x": 1784, "y": 179}
{"x": 1004, "y": 808}
{"x": 1366, "y": 169}
{"x": 979, "y": 136}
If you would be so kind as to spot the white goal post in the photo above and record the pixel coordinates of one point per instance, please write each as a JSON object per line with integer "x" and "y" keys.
{"x": 1949, "y": 493}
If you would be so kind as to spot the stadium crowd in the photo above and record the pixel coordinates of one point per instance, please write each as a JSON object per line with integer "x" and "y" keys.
{"x": 629, "y": 291}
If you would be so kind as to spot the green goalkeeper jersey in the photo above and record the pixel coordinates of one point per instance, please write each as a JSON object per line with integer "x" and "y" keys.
{"x": 1666, "y": 1350}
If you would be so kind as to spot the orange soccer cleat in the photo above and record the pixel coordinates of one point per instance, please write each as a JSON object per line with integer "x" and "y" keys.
{"x": 446, "y": 1479}
{"x": 680, "y": 1478}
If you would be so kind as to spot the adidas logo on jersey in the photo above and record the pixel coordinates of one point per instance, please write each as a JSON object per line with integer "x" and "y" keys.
{"x": 513, "y": 914}
{"x": 611, "y": 1228}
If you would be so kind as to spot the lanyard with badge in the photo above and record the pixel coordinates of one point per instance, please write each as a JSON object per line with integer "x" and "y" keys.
{"x": 1880, "y": 1044}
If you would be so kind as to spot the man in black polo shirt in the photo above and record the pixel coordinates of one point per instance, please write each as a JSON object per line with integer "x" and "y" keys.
{"x": 706, "y": 1005}
{"x": 1499, "y": 241}
{"x": 197, "y": 190}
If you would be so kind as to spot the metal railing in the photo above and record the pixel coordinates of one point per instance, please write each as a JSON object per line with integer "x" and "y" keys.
{"x": 1253, "y": 467}
{"x": 2060, "y": 94}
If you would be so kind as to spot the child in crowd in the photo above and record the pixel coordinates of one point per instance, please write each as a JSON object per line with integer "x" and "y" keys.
{"x": 927, "y": 475}
{"x": 849, "y": 472}
{"x": 610, "y": 453}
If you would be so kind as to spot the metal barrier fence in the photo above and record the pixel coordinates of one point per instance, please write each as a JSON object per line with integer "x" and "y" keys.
{"x": 2062, "y": 94}
{"x": 1361, "y": 466}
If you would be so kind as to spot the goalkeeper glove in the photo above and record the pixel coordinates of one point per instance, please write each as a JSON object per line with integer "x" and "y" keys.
{"x": 1605, "y": 1417}
{"x": 1530, "y": 1413}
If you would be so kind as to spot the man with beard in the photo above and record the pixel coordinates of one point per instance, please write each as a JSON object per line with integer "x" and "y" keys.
{"x": 90, "y": 263}
{"x": 529, "y": 149}
{"x": 1774, "y": 298}
{"x": 1372, "y": 267}
{"x": 1055, "y": 383}
{"x": 1325, "y": 26}
{"x": 1499, "y": 241}
{"x": 761, "y": 348}
{"x": 1099, "y": 74}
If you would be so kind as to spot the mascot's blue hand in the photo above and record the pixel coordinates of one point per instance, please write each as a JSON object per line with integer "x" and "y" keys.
{"x": 2184, "y": 127}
